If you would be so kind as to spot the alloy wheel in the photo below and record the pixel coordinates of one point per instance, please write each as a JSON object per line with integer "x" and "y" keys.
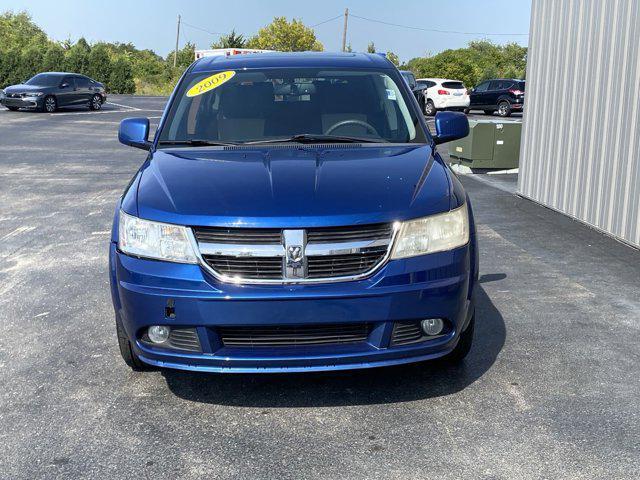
{"x": 97, "y": 104}
{"x": 50, "y": 104}
{"x": 429, "y": 108}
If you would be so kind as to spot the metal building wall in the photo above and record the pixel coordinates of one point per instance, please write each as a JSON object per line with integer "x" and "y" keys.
{"x": 580, "y": 150}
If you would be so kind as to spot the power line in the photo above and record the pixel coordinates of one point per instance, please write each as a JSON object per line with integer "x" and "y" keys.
{"x": 433, "y": 29}
{"x": 219, "y": 33}
{"x": 201, "y": 29}
{"x": 327, "y": 21}
{"x": 184, "y": 38}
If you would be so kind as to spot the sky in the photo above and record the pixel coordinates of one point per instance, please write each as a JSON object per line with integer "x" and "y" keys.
{"x": 152, "y": 24}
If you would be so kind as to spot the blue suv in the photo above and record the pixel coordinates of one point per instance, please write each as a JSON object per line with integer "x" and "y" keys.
{"x": 293, "y": 214}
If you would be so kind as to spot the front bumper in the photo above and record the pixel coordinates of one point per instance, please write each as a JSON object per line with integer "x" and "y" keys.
{"x": 437, "y": 285}
{"x": 22, "y": 102}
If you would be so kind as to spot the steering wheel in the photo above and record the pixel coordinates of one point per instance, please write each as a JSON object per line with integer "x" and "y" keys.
{"x": 342, "y": 123}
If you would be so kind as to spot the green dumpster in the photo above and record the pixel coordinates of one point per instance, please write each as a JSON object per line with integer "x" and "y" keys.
{"x": 490, "y": 145}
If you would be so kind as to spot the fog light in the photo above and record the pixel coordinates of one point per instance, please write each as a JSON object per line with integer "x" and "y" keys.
{"x": 158, "y": 333}
{"x": 432, "y": 326}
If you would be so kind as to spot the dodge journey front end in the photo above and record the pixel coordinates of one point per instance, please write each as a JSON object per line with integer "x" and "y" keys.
{"x": 293, "y": 214}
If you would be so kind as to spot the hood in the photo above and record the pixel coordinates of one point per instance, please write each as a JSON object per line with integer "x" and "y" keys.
{"x": 292, "y": 186}
{"x": 22, "y": 88}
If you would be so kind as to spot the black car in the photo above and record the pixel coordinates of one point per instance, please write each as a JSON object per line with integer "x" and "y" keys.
{"x": 416, "y": 87}
{"x": 48, "y": 91}
{"x": 506, "y": 95}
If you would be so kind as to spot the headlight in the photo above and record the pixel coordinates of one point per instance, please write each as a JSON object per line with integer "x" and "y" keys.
{"x": 161, "y": 241}
{"x": 436, "y": 233}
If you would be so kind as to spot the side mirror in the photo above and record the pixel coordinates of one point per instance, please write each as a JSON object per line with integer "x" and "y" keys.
{"x": 134, "y": 132}
{"x": 450, "y": 126}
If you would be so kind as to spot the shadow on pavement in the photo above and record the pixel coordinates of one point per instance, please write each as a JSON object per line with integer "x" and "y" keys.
{"x": 356, "y": 387}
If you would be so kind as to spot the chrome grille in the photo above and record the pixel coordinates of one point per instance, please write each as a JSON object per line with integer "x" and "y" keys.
{"x": 294, "y": 335}
{"x": 293, "y": 255}
{"x": 246, "y": 267}
{"x": 327, "y": 266}
{"x": 345, "y": 234}
{"x": 256, "y": 236}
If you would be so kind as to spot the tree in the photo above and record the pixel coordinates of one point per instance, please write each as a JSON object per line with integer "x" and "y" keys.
{"x": 76, "y": 59}
{"x": 10, "y": 67}
{"x": 481, "y": 60}
{"x": 393, "y": 58}
{"x": 17, "y": 30}
{"x": 30, "y": 62}
{"x": 231, "y": 40}
{"x": 83, "y": 45}
{"x": 286, "y": 36}
{"x": 186, "y": 56}
{"x": 121, "y": 78}
{"x": 99, "y": 63}
{"x": 371, "y": 48}
{"x": 53, "y": 60}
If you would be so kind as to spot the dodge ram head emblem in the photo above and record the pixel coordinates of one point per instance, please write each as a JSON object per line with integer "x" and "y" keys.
{"x": 295, "y": 264}
{"x": 294, "y": 254}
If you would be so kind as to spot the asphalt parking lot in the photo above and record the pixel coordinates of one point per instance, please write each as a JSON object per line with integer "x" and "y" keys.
{"x": 550, "y": 390}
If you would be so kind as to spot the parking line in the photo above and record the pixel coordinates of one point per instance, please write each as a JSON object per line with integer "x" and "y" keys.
{"x": 86, "y": 113}
{"x": 102, "y": 111}
{"x": 124, "y": 106}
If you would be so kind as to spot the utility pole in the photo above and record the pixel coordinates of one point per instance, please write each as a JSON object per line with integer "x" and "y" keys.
{"x": 175, "y": 53}
{"x": 344, "y": 31}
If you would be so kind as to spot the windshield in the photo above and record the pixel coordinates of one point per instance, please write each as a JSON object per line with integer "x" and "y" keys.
{"x": 44, "y": 80}
{"x": 260, "y": 105}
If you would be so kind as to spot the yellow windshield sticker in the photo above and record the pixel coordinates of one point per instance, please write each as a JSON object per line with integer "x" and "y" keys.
{"x": 209, "y": 83}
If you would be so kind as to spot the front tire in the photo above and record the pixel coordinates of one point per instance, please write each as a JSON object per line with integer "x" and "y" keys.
{"x": 464, "y": 344}
{"x": 95, "y": 103}
{"x": 126, "y": 350}
{"x": 49, "y": 104}
{"x": 466, "y": 111}
{"x": 430, "y": 109}
{"x": 504, "y": 109}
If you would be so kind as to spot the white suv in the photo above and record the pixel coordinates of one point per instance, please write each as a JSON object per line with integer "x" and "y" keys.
{"x": 444, "y": 94}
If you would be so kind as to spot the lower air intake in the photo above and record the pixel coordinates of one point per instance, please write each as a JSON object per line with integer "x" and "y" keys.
{"x": 406, "y": 333}
{"x": 185, "y": 339}
{"x": 294, "y": 335}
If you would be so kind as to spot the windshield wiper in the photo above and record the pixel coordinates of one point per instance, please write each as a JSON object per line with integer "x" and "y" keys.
{"x": 313, "y": 138}
{"x": 196, "y": 142}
